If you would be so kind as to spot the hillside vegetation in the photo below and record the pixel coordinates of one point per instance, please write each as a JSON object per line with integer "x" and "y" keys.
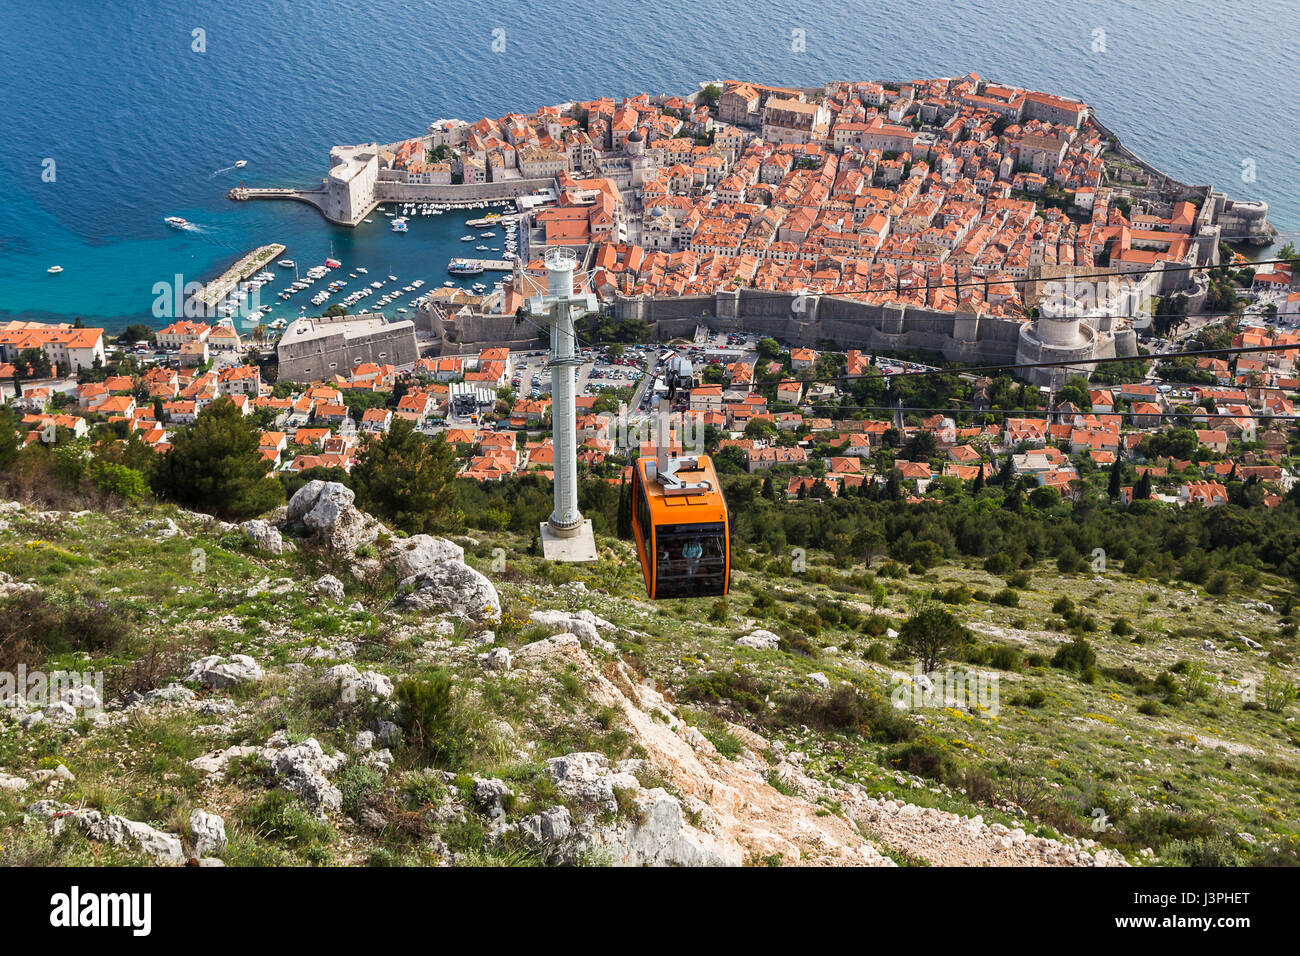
{"x": 383, "y": 717}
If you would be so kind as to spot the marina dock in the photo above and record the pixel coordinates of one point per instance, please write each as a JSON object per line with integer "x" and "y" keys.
{"x": 489, "y": 265}
{"x": 248, "y": 265}
{"x": 491, "y": 221}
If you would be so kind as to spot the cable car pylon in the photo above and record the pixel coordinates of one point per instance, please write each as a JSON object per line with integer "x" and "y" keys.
{"x": 566, "y": 535}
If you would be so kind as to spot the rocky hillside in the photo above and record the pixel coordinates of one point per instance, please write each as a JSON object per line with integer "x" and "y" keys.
{"x": 313, "y": 687}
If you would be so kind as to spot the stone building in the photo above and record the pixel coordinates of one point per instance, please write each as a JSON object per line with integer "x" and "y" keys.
{"x": 350, "y": 186}
{"x": 313, "y": 349}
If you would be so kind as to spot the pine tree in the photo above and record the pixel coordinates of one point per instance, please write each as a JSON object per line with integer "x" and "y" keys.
{"x": 216, "y": 466}
{"x": 978, "y": 484}
{"x": 408, "y": 480}
{"x": 768, "y": 491}
{"x": 1113, "y": 487}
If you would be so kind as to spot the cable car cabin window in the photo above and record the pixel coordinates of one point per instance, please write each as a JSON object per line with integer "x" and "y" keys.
{"x": 643, "y": 516}
{"x": 690, "y": 560}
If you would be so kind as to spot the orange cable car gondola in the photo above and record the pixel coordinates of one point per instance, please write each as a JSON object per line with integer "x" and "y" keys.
{"x": 679, "y": 520}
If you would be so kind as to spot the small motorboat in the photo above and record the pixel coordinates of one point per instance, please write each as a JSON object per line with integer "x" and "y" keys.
{"x": 54, "y": 270}
{"x": 176, "y": 222}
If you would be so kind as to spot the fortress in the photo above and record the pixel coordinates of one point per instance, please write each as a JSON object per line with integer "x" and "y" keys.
{"x": 315, "y": 349}
{"x": 813, "y": 320}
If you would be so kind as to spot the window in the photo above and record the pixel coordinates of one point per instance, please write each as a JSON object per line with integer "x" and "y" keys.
{"x": 690, "y": 560}
{"x": 642, "y": 508}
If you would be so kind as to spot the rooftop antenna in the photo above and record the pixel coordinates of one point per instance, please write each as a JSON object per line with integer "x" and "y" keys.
{"x": 566, "y": 535}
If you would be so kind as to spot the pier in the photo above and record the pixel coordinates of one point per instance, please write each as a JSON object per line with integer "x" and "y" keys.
{"x": 488, "y": 265}
{"x": 313, "y": 197}
{"x": 248, "y": 265}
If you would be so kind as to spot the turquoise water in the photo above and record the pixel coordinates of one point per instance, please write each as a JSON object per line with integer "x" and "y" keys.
{"x": 140, "y": 126}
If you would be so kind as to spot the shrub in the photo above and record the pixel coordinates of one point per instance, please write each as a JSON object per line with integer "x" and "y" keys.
{"x": 1219, "y": 583}
{"x": 356, "y": 782}
{"x": 923, "y": 758}
{"x": 426, "y": 712}
{"x": 277, "y": 816}
{"x": 956, "y": 595}
{"x": 1005, "y": 657}
{"x": 1007, "y": 598}
{"x": 847, "y": 710}
{"x": 1069, "y": 561}
{"x": 1121, "y": 627}
{"x": 876, "y": 652}
{"x": 1077, "y": 655}
{"x": 737, "y": 687}
{"x": 997, "y": 563}
{"x": 1216, "y": 850}
{"x": 35, "y": 625}
{"x": 1033, "y": 700}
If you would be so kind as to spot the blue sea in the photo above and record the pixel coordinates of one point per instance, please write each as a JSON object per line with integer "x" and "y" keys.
{"x": 118, "y": 114}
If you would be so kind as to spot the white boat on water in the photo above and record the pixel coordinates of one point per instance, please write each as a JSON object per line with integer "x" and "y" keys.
{"x": 399, "y": 224}
{"x": 362, "y": 269}
{"x": 241, "y": 163}
{"x": 54, "y": 270}
{"x": 176, "y": 222}
{"x": 286, "y": 263}
{"x": 466, "y": 238}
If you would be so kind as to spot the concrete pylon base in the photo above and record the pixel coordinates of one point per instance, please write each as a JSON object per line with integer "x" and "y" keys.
{"x": 579, "y": 547}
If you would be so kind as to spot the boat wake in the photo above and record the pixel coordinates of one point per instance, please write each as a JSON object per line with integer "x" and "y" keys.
{"x": 223, "y": 169}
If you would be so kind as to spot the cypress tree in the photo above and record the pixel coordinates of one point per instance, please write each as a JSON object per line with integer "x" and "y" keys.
{"x": 624, "y": 510}
{"x": 1006, "y": 472}
{"x": 1142, "y": 490}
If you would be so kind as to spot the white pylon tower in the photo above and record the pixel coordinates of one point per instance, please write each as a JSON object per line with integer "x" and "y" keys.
{"x": 566, "y": 535}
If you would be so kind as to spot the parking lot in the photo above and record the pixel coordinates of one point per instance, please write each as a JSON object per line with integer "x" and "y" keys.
{"x": 531, "y": 378}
